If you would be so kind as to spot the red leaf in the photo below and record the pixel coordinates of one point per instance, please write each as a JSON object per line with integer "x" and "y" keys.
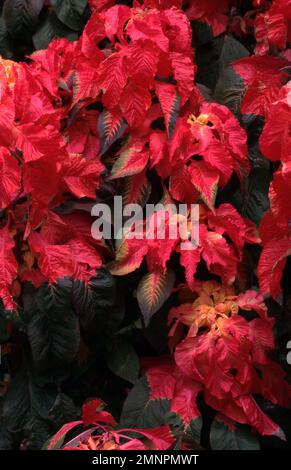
{"x": 275, "y": 139}
{"x": 249, "y": 67}
{"x": 112, "y": 79}
{"x": 184, "y": 71}
{"x": 131, "y": 160}
{"x": 259, "y": 420}
{"x": 184, "y": 400}
{"x": 170, "y": 103}
{"x": 260, "y": 94}
{"x": 161, "y": 381}
{"x": 227, "y": 221}
{"x": 136, "y": 189}
{"x": 141, "y": 61}
{"x": 82, "y": 176}
{"x": 75, "y": 258}
{"x": 205, "y": 181}
{"x": 271, "y": 264}
{"x": 92, "y": 412}
{"x": 270, "y": 30}
{"x": 181, "y": 186}
{"x": 8, "y": 268}
{"x": 190, "y": 259}
{"x": 218, "y": 255}
{"x": 134, "y": 103}
{"x": 129, "y": 256}
{"x": 10, "y": 177}
{"x": 161, "y": 437}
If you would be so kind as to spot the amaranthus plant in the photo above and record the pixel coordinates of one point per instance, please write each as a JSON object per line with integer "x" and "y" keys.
{"x": 158, "y": 101}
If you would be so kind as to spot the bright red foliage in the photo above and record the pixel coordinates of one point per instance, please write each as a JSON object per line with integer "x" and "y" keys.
{"x": 120, "y": 109}
{"x": 227, "y": 356}
{"x": 101, "y": 434}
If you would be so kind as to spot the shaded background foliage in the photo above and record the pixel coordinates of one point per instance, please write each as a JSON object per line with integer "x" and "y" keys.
{"x": 68, "y": 346}
{"x": 26, "y": 25}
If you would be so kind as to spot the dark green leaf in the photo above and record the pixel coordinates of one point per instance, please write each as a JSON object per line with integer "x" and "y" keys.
{"x": 21, "y": 16}
{"x": 38, "y": 431}
{"x": 214, "y": 57}
{"x": 231, "y": 50}
{"x": 123, "y": 361}
{"x": 53, "y": 299}
{"x": 6, "y": 440}
{"x": 224, "y": 438}
{"x": 53, "y": 343}
{"x": 63, "y": 410}
{"x": 97, "y": 302}
{"x": 5, "y": 42}
{"x": 256, "y": 199}
{"x": 51, "y": 28}
{"x": 229, "y": 90}
{"x": 70, "y": 12}
{"x": 141, "y": 412}
{"x": 53, "y": 329}
{"x": 192, "y": 431}
{"x": 202, "y": 33}
{"x": 26, "y": 405}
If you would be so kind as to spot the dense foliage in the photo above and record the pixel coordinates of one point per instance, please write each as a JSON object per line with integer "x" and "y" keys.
{"x": 158, "y": 101}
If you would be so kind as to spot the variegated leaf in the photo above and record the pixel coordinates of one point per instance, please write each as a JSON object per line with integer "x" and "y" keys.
{"x": 131, "y": 161}
{"x": 153, "y": 291}
{"x": 136, "y": 189}
{"x": 170, "y": 103}
{"x": 111, "y": 127}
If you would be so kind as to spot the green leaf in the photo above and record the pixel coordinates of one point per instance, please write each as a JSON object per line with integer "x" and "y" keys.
{"x": 229, "y": 86}
{"x": 192, "y": 431}
{"x": 63, "y": 410}
{"x": 26, "y": 406}
{"x": 98, "y": 303}
{"x": 214, "y": 57}
{"x": 53, "y": 299}
{"x": 224, "y": 438}
{"x": 152, "y": 292}
{"x": 53, "y": 329}
{"x": 5, "y": 42}
{"x": 70, "y": 12}
{"x": 256, "y": 201}
{"x": 202, "y": 33}
{"x": 229, "y": 90}
{"x": 21, "y": 16}
{"x": 139, "y": 411}
{"x": 6, "y": 439}
{"x": 123, "y": 361}
{"x": 232, "y": 50}
{"x": 53, "y": 343}
{"x": 51, "y": 28}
